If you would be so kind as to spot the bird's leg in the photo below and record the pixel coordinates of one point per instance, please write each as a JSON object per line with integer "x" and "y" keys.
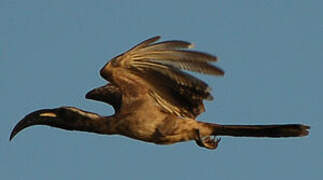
{"x": 207, "y": 142}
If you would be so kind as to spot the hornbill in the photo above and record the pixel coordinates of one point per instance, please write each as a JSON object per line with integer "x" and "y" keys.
{"x": 155, "y": 100}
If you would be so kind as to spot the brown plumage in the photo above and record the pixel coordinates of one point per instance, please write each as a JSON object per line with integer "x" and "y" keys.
{"x": 155, "y": 100}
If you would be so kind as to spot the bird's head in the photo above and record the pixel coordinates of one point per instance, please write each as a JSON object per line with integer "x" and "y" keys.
{"x": 68, "y": 118}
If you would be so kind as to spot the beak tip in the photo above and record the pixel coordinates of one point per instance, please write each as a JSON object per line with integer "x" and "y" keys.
{"x": 14, "y": 132}
{"x": 19, "y": 126}
{"x": 39, "y": 117}
{"x": 12, "y": 135}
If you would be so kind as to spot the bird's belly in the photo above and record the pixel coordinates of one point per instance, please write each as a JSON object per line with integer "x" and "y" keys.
{"x": 159, "y": 130}
{"x": 141, "y": 128}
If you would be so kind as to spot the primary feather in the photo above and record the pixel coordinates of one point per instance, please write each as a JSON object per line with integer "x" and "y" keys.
{"x": 161, "y": 66}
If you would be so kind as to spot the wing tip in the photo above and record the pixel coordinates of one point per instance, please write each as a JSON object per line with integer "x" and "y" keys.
{"x": 153, "y": 39}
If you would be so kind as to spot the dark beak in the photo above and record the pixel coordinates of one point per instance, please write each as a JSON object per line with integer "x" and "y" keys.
{"x": 41, "y": 117}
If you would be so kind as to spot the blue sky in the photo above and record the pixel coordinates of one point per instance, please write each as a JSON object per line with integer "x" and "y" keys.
{"x": 271, "y": 51}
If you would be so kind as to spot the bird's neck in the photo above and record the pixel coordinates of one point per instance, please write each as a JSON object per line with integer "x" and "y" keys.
{"x": 102, "y": 125}
{"x": 70, "y": 118}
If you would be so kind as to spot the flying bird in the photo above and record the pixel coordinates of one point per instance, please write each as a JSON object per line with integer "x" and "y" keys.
{"x": 155, "y": 100}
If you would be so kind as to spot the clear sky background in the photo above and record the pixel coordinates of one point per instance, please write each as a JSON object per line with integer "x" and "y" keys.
{"x": 271, "y": 51}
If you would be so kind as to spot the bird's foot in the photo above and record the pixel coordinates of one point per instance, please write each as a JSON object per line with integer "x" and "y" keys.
{"x": 206, "y": 142}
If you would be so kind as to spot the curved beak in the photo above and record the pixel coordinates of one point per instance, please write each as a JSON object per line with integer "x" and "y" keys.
{"x": 40, "y": 117}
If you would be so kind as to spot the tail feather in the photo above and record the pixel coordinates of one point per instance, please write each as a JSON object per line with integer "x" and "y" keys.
{"x": 274, "y": 131}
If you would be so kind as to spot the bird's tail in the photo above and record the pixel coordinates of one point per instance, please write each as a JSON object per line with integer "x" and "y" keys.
{"x": 273, "y": 131}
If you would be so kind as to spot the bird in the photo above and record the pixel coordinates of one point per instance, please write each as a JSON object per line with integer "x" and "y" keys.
{"x": 155, "y": 100}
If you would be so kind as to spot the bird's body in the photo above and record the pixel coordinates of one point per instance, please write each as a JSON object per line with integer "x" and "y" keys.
{"x": 144, "y": 120}
{"x": 154, "y": 100}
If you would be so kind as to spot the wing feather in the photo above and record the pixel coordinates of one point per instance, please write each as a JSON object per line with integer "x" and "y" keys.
{"x": 176, "y": 55}
{"x": 161, "y": 66}
{"x": 108, "y": 93}
{"x": 145, "y": 43}
{"x": 168, "y": 45}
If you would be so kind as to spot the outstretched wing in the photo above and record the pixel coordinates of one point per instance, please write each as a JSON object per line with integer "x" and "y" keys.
{"x": 109, "y": 93}
{"x": 157, "y": 69}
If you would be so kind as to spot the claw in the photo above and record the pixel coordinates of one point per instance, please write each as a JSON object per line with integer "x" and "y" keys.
{"x": 207, "y": 142}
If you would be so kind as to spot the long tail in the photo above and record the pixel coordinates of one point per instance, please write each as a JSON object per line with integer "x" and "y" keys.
{"x": 274, "y": 131}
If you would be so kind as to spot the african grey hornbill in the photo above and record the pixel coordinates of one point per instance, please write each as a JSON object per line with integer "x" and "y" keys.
{"x": 155, "y": 100}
